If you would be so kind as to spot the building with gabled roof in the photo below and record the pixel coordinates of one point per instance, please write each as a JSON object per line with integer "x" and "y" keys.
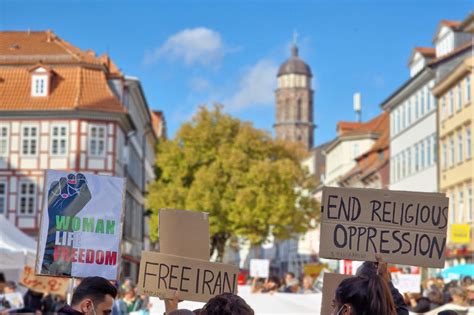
{"x": 68, "y": 109}
{"x": 353, "y": 138}
{"x": 372, "y": 167}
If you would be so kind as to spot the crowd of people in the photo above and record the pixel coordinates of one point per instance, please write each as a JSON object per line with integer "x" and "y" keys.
{"x": 436, "y": 292}
{"x": 370, "y": 291}
{"x": 289, "y": 284}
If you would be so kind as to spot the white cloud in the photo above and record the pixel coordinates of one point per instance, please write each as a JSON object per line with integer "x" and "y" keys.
{"x": 193, "y": 46}
{"x": 199, "y": 84}
{"x": 256, "y": 86}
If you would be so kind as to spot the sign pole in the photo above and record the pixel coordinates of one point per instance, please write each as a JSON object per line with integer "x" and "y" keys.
{"x": 70, "y": 290}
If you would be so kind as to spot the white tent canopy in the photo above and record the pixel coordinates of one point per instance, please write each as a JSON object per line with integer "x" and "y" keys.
{"x": 16, "y": 250}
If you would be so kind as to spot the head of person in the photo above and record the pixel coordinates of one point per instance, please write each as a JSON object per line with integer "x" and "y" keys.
{"x": 362, "y": 295}
{"x": 307, "y": 283}
{"x": 289, "y": 276}
{"x": 436, "y": 297}
{"x": 273, "y": 283}
{"x": 226, "y": 304}
{"x": 10, "y": 287}
{"x": 467, "y": 281}
{"x": 129, "y": 294}
{"x": 94, "y": 296}
{"x": 470, "y": 292}
{"x": 458, "y": 295}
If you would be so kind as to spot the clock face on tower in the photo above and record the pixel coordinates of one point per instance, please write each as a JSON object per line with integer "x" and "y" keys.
{"x": 294, "y": 101}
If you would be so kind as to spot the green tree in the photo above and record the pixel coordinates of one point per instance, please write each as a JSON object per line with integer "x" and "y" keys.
{"x": 251, "y": 185}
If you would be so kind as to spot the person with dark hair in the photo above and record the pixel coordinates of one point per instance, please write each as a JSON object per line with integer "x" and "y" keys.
{"x": 93, "y": 296}
{"x": 271, "y": 285}
{"x": 365, "y": 294}
{"x": 226, "y": 304}
{"x": 369, "y": 269}
{"x": 425, "y": 304}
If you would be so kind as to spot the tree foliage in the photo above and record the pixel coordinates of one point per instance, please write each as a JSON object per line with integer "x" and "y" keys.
{"x": 250, "y": 184}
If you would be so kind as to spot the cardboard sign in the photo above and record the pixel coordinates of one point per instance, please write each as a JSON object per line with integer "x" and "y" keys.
{"x": 81, "y": 225}
{"x": 162, "y": 275}
{"x": 403, "y": 227}
{"x": 406, "y": 283}
{"x": 259, "y": 268}
{"x": 172, "y": 224}
{"x": 313, "y": 270}
{"x": 43, "y": 284}
{"x": 460, "y": 234}
{"x": 330, "y": 283}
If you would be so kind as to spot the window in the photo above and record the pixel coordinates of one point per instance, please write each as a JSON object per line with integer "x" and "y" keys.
{"x": 443, "y": 108}
{"x": 451, "y": 102}
{"x": 470, "y": 210}
{"x": 459, "y": 97}
{"x": 468, "y": 143}
{"x": 460, "y": 209}
{"x": 451, "y": 208}
{"x": 398, "y": 167}
{"x": 97, "y": 140}
{"x": 402, "y": 113}
{"x": 3, "y": 140}
{"x": 445, "y": 156}
{"x": 409, "y": 112}
{"x": 59, "y": 140}
{"x": 428, "y": 151}
{"x": 408, "y": 161}
{"x": 422, "y": 154}
{"x": 3, "y": 198}
{"x": 428, "y": 99}
{"x": 460, "y": 151}
{"x": 398, "y": 120}
{"x": 451, "y": 150}
{"x": 417, "y": 158}
{"x": 416, "y": 107}
{"x": 422, "y": 102}
{"x": 39, "y": 85}
{"x": 468, "y": 89}
{"x": 298, "y": 110}
{"x": 27, "y": 198}
{"x": 403, "y": 165}
{"x": 29, "y": 140}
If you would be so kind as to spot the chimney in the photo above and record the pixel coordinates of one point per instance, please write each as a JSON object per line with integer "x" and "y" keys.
{"x": 357, "y": 106}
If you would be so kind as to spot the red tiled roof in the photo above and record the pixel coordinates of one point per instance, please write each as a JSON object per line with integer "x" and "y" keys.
{"x": 72, "y": 87}
{"x": 450, "y": 23}
{"x": 79, "y": 79}
{"x": 352, "y": 128}
{"x": 426, "y": 51}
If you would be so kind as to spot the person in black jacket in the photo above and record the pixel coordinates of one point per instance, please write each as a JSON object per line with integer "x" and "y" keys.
{"x": 369, "y": 269}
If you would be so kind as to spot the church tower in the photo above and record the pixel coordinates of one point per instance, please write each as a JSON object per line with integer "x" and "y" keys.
{"x": 294, "y": 101}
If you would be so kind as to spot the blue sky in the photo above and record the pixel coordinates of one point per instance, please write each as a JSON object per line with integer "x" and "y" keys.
{"x": 189, "y": 53}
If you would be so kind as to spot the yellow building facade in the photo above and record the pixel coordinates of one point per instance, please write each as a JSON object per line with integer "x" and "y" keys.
{"x": 455, "y": 93}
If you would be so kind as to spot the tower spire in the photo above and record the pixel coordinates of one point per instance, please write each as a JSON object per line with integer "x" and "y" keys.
{"x": 294, "y": 47}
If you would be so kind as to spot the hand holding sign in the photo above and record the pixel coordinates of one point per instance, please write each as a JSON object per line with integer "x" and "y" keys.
{"x": 66, "y": 198}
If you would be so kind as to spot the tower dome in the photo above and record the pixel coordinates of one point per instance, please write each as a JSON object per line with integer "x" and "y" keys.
{"x": 294, "y": 65}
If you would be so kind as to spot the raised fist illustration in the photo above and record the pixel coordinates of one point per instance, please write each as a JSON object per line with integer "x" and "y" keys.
{"x": 66, "y": 198}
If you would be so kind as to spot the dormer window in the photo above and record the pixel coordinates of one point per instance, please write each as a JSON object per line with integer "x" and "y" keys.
{"x": 40, "y": 81}
{"x": 40, "y": 85}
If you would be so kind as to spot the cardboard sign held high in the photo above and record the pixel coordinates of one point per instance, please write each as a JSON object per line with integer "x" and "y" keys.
{"x": 403, "y": 227}
{"x": 183, "y": 263}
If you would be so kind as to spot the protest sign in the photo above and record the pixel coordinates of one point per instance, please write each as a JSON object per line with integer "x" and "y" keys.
{"x": 43, "y": 284}
{"x": 259, "y": 268}
{"x": 330, "y": 283}
{"x": 403, "y": 227}
{"x": 81, "y": 225}
{"x": 195, "y": 280}
{"x": 460, "y": 234}
{"x": 406, "y": 283}
{"x": 183, "y": 263}
{"x": 173, "y": 241}
{"x": 313, "y": 270}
